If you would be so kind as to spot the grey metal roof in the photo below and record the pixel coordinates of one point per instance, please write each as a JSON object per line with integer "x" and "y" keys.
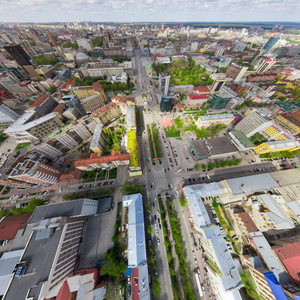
{"x": 230, "y": 275}
{"x": 136, "y": 232}
{"x": 7, "y": 265}
{"x": 216, "y": 117}
{"x": 40, "y": 255}
{"x": 130, "y": 116}
{"x": 96, "y": 135}
{"x": 80, "y": 207}
{"x": 252, "y": 184}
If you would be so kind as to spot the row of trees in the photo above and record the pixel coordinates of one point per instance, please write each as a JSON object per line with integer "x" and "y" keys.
{"x": 43, "y": 60}
{"x": 221, "y": 164}
{"x": 156, "y": 140}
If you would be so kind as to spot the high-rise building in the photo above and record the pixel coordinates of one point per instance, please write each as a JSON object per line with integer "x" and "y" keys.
{"x": 257, "y": 54}
{"x": 266, "y": 65}
{"x": 219, "y": 80}
{"x": 236, "y": 72}
{"x": 166, "y": 104}
{"x": 52, "y": 39}
{"x": 218, "y": 102}
{"x": 219, "y": 52}
{"x": 164, "y": 82}
{"x": 18, "y": 54}
{"x": 35, "y": 36}
{"x": 270, "y": 44}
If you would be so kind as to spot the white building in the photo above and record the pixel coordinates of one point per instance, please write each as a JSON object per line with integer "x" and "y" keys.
{"x": 7, "y": 115}
{"x": 85, "y": 44}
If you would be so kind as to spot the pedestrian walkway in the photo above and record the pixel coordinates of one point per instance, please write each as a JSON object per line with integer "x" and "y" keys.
{"x": 174, "y": 255}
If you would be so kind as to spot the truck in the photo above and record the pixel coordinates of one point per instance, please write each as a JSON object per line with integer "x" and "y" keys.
{"x": 197, "y": 277}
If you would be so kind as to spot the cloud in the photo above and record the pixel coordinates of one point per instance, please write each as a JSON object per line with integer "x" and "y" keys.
{"x": 149, "y": 10}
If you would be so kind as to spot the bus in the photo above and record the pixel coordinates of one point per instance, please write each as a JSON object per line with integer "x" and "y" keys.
{"x": 197, "y": 277}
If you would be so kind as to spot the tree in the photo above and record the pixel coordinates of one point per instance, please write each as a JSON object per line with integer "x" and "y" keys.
{"x": 148, "y": 208}
{"x": 149, "y": 229}
{"x": 52, "y": 89}
{"x": 242, "y": 93}
{"x": 204, "y": 166}
{"x": 182, "y": 201}
{"x": 131, "y": 188}
{"x": 114, "y": 264}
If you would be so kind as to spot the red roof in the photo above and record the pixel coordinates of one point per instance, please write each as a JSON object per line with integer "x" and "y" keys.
{"x": 201, "y": 89}
{"x": 135, "y": 284}
{"x": 11, "y": 224}
{"x": 123, "y": 99}
{"x": 39, "y": 101}
{"x": 180, "y": 106}
{"x": 289, "y": 254}
{"x": 64, "y": 292}
{"x": 248, "y": 222}
{"x": 59, "y": 107}
{"x": 97, "y": 87}
{"x": 67, "y": 85}
{"x": 198, "y": 97}
{"x": 94, "y": 159}
{"x": 104, "y": 108}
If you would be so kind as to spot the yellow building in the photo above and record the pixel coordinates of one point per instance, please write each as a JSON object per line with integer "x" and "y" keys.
{"x": 247, "y": 112}
{"x": 277, "y": 146}
{"x": 289, "y": 123}
{"x": 276, "y": 133}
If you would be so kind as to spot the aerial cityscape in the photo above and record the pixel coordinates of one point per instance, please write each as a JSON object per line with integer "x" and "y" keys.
{"x": 149, "y": 160}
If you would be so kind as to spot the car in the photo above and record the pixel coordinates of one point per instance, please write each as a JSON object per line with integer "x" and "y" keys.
{"x": 155, "y": 217}
{"x": 149, "y": 170}
{"x": 14, "y": 201}
{"x": 129, "y": 291}
{"x": 159, "y": 227}
{"x": 158, "y": 242}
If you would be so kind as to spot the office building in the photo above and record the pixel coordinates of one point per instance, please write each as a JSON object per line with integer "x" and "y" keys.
{"x": 270, "y": 45}
{"x": 236, "y": 72}
{"x": 166, "y": 104}
{"x": 219, "y": 80}
{"x": 253, "y": 122}
{"x": 211, "y": 120}
{"x": 217, "y": 102}
{"x": 7, "y": 115}
{"x": 214, "y": 148}
{"x": 137, "y": 256}
{"x": 98, "y": 142}
{"x": 44, "y": 105}
{"x": 257, "y": 54}
{"x": 164, "y": 82}
{"x": 266, "y": 65}
{"x": 18, "y": 54}
{"x": 277, "y": 146}
{"x": 28, "y": 173}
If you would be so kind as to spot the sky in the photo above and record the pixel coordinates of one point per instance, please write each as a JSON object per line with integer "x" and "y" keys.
{"x": 150, "y": 10}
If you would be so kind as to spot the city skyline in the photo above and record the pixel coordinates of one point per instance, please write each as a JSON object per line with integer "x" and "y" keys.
{"x": 150, "y": 11}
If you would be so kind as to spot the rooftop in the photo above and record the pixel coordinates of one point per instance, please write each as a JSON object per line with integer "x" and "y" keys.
{"x": 212, "y": 147}
{"x": 242, "y": 138}
{"x": 80, "y": 207}
{"x": 96, "y": 136}
{"x": 11, "y": 224}
{"x": 248, "y": 222}
{"x": 252, "y": 184}
{"x": 39, "y": 101}
{"x": 216, "y": 117}
{"x": 201, "y": 89}
{"x": 198, "y": 97}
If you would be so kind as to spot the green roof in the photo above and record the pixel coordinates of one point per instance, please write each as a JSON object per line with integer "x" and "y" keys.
{"x": 287, "y": 105}
{"x": 58, "y": 132}
{"x": 242, "y": 138}
{"x": 148, "y": 68}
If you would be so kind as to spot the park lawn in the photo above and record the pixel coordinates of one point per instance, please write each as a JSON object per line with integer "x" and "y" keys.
{"x": 172, "y": 132}
{"x": 21, "y": 146}
{"x": 89, "y": 176}
{"x": 113, "y": 173}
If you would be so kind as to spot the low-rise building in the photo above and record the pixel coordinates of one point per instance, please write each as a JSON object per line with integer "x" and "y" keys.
{"x": 288, "y": 122}
{"x": 277, "y": 146}
{"x": 184, "y": 88}
{"x": 195, "y": 100}
{"x": 7, "y": 115}
{"x": 212, "y": 148}
{"x": 210, "y": 120}
{"x": 137, "y": 256}
{"x": 239, "y": 139}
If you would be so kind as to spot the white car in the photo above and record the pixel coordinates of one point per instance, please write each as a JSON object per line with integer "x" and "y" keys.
{"x": 14, "y": 201}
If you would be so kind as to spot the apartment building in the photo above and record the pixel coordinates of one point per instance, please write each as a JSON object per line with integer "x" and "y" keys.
{"x": 288, "y": 122}
{"x": 206, "y": 121}
{"x": 266, "y": 65}
{"x": 82, "y": 92}
{"x": 123, "y": 103}
{"x": 103, "y": 162}
{"x": 236, "y": 72}
{"x": 30, "y": 127}
{"x": 93, "y": 102}
{"x": 27, "y": 173}
{"x": 7, "y": 115}
{"x": 108, "y": 113}
{"x": 98, "y": 140}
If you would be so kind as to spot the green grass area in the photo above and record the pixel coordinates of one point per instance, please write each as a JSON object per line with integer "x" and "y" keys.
{"x": 31, "y": 205}
{"x": 3, "y": 136}
{"x": 175, "y": 287}
{"x": 172, "y": 132}
{"x": 101, "y": 175}
{"x": 186, "y": 275}
{"x": 5, "y": 191}
{"x": 258, "y": 138}
{"x": 89, "y": 176}
{"x": 288, "y": 154}
{"x": 89, "y": 193}
{"x": 113, "y": 173}
{"x": 22, "y": 146}
{"x": 150, "y": 142}
{"x": 139, "y": 118}
{"x": 214, "y": 267}
{"x": 156, "y": 140}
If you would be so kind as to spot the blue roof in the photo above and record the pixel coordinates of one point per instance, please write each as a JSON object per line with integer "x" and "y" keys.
{"x": 275, "y": 286}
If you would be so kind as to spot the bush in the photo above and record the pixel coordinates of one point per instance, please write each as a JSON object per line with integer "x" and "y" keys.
{"x": 156, "y": 140}
{"x": 182, "y": 201}
{"x": 131, "y": 188}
